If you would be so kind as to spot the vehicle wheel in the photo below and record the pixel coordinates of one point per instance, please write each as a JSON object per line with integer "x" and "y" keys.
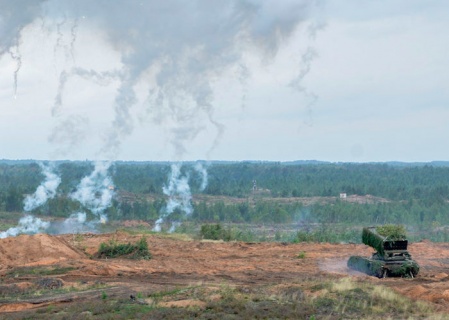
{"x": 381, "y": 273}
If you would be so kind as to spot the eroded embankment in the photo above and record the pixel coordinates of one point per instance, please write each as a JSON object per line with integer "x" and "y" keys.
{"x": 181, "y": 262}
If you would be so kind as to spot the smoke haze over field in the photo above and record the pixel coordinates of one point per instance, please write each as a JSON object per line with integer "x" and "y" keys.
{"x": 231, "y": 80}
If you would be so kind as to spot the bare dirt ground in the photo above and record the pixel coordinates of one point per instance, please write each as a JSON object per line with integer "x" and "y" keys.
{"x": 177, "y": 262}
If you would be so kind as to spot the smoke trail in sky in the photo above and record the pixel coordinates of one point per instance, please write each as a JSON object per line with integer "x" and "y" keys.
{"x": 95, "y": 191}
{"x": 179, "y": 196}
{"x": 46, "y": 190}
{"x": 18, "y": 58}
{"x": 100, "y": 78}
{"x": 74, "y": 33}
{"x": 13, "y": 20}
{"x": 306, "y": 63}
{"x": 174, "y": 51}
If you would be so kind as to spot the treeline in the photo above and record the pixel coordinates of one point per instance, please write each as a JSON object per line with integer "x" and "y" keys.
{"x": 381, "y": 180}
{"x": 393, "y": 182}
{"x": 416, "y": 194}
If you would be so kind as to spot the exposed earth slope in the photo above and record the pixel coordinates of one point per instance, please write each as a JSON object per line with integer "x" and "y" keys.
{"x": 177, "y": 262}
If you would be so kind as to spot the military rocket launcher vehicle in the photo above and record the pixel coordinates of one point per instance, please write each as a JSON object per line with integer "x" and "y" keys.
{"x": 391, "y": 258}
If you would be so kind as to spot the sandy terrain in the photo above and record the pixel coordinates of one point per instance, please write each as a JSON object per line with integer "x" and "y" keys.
{"x": 178, "y": 262}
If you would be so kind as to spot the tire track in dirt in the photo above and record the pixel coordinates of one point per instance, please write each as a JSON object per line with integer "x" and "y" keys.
{"x": 178, "y": 262}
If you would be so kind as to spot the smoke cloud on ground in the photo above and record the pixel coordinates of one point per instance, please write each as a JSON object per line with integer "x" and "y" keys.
{"x": 46, "y": 190}
{"x": 95, "y": 191}
{"x": 179, "y": 196}
{"x": 28, "y": 224}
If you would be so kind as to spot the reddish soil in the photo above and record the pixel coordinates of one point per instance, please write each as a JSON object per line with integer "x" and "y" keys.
{"x": 177, "y": 262}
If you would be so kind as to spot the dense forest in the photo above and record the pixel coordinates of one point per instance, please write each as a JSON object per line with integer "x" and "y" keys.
{"x": 256, "y": 192}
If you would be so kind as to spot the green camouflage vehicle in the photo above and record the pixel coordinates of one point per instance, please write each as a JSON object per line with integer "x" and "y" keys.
{"x": 391, "y": 258}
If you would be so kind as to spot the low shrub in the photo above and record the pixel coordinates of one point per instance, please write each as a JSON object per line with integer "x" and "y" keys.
{"x": 215, "y": 232}
{"x": 324, "y": 234}
{"x": 139, "y": 250}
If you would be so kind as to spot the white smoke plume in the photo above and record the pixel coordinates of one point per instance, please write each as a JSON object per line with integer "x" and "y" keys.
{"x": 179, "y": 196}
{"x": 95, "y": 191}
{"x": 28, "y": 225}
{"x": 173, "y": 51}
{"x": 204, "y": 177}
{"x": 46, "y": 190}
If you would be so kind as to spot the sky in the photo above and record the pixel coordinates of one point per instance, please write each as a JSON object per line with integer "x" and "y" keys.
{"x": 340, "y": 81}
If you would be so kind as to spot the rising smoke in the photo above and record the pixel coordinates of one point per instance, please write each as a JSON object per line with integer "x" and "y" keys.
{"x": 199, "y": 167}
{"x": 179, "y": 196}
{"x": 173, "y": 51}
{"x": 46, "y": 190}
{"x": 95, "y": 191}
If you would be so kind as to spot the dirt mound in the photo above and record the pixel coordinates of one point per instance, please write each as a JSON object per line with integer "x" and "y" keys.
{"x": 39, "y": 248}
{"x": 178, "y": 262}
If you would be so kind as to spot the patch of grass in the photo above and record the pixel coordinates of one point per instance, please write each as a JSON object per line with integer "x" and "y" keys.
{"x": 39, "y": 288}
{"x": 138, "y": 230}
{"x": 320, "y": 286}
{"x": 113, "y": 249}
{"x": 301, "y": 255}
{"x": 11, "y": 291}
{"x": 78, "y": 237}
{"x": 145, "y": 231}
{"x": 340, "y": 299}
{"x": 38, "y": 271}
{"x": 352, "y": 299}
{"x": 176, "y": 236}
{"x": 158, "y": 296}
